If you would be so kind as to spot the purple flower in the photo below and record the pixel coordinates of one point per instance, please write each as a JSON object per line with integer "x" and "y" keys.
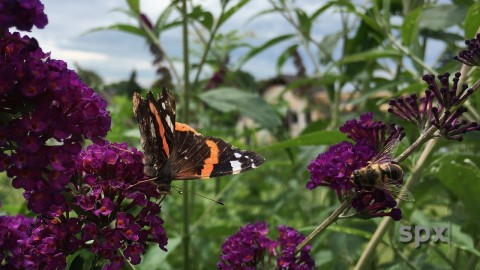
{"x": 217, "y": 78}
{"x": 250, "y": 247}
{"x": 335, "y": 167}
{"x": 12, "y": 229}
{"x": 374, "y": 134}
{"x": 288, "y": 240}
{"x": 106, "y": 177}
{"x": 50, "y": 113}
{"x": 23, "y": 14}
{"x": 113, "y": 174}
{"x": 440, "y": 107}
{"x": 49, "y": 240}
{"x": 376, "y": 204}
{"x": 470, "y": 56}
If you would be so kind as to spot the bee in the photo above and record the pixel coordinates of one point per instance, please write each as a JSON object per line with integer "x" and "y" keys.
{"x": 384, "y": 174}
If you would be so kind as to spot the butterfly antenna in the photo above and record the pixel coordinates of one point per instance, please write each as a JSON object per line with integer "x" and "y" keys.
{"x": 180, "y": 191}
{"x": 141, "y": 182}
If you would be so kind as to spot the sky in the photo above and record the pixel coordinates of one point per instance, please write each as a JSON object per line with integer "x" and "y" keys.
{"x": 113, "y": 54}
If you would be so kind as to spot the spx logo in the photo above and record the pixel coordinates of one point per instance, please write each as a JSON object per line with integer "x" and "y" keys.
{"x": 439, "y": 233}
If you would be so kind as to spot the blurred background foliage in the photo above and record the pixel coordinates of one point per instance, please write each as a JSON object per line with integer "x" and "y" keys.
{"x": 380, "y": 52}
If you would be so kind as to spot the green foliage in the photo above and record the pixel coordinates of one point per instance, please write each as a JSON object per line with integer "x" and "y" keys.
{"x": 460, "y": 174}
{"x": 249, "y": 105}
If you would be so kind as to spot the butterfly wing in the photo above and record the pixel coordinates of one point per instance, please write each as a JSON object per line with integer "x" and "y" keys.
{"x": 196, "y": 156}
{"x": 156, "y": 120}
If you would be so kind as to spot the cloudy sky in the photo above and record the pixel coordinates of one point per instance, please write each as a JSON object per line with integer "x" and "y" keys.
{"x": 114, "y": 54}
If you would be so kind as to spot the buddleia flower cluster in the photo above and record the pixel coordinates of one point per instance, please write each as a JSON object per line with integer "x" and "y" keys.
{"x": 47, "y": 112}
{"x": 441, "y": 107}
{"x": 334, "y": 168}
{"x": 94, "y": 199}
{"x": 250, "y": 248}
{"x": 106, "y": 196}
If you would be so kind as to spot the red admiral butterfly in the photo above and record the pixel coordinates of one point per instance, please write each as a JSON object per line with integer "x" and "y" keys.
{"x": 176, "y": 151}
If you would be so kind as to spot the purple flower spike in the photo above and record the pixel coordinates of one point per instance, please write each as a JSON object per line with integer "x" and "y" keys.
{"x": 440, "y": 107}
{"x": 289, "y": 239}
{"x": 50, "y": 113}
{"x": 250, "y": 247}
{"x": 470, "y": 56}
{"x": 23, "y": 14}
{"x": 112, "y": 173}
{"x": 376, "y": 204}
{"x": 12, "y": 230}
{"x": 334, "y": 168}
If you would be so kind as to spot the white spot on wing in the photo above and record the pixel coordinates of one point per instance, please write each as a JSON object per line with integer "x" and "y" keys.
{"x": 169, "y": 122}
{"x": 152, "y": 130}
{"x": 163, "y": 105}
{"x": 237, "y": 155}
{"x": 236, "y": 166}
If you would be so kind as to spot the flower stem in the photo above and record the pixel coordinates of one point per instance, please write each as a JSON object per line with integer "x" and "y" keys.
{"x": 425, "y": 136}
{"x": 208, "y": 46}
{"x": 327, "y": 222}
{"x": 186, "y": 100}
{"x": 382, "y": 228}
{"x": 156, "y": 42}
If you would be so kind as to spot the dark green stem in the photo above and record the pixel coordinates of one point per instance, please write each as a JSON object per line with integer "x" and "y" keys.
{"x": 186, "y": 100}
{"x": 208, "y": 46}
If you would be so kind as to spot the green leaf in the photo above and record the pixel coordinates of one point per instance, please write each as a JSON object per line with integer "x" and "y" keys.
{"x": 409, "y": 28}
{"x": 13, "y": 209}
{"x": 232, "y": 11}
{"x": 321, "y": 10}
{"x": 472, "y": 21}
{"x": 287, "y": 54}
{"x": 77, "y": 263}
{"x": 134, "y": 5}
{"x": 461, "y": 175}
{"x": 155, "y": 258}
{"x": 123, "y": 28}
{"x": 323, "y": 137}
{"x": 205, "y": 18}
{"x": 369, "y": 20}
{"x": 442, "y": 16}
{"x": 263, "y": 12}
{"x": 304, "y": 21}
{"x": 226, "y": 99}
{"x": 264, "y": 46}
{"x": 162, "y": 20}
{"x": 371, "y": 55}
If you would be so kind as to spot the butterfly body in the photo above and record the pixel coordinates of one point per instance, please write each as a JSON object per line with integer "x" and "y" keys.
{"x": 175, "y": 150}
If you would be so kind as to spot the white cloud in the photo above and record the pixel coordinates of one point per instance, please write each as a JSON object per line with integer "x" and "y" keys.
{"x": 114, "y": 54}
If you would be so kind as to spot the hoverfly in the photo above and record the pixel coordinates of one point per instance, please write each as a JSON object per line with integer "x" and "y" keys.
{"x": 384, "y": 174}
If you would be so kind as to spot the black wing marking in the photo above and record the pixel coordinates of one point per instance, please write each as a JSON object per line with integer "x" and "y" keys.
{"x": 156, "y": 120}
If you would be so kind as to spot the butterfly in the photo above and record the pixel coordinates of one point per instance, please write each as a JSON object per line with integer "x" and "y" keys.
{"x": 174, "y": 150}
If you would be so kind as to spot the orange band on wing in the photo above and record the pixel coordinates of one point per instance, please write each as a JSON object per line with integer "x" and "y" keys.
{"x": 161, "y": 128}
{"x": 211, "y": 160}
{"x": 185, "y": 127}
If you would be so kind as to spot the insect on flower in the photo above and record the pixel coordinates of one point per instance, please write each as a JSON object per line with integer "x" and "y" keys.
{"x": 383, "y": 173}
